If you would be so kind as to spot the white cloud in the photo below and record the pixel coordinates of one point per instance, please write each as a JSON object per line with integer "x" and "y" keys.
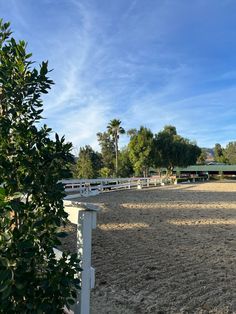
{"x": 202, "y": 117}
{"x": 82, "y": 125}
{"x": 123, "y": 66}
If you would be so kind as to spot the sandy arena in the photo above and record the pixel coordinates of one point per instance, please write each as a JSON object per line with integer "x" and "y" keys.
{"x": 169, "y": 249}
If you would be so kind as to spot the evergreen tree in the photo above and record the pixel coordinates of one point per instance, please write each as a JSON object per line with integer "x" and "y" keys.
{"x": 107, "y": 150}
{"x": 219, "y": 153}
{"x": 88, "y": 164}
{"x": 141, "y": 149}
{"x": 125, "y": 165}
{"x": 202, "y": 158}
{"x": 173, "y": 150}
{"x": 230, "y": 153}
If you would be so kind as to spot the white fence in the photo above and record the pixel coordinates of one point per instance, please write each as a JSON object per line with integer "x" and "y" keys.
{"x": 86, "y": 187}
{"x": 84, "y": 216}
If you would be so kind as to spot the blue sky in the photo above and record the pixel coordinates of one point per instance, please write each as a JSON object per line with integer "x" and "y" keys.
{"x": 146, "y": 62}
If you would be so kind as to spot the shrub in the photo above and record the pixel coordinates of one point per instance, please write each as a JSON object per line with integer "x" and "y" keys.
{"x": 32, "y": 280}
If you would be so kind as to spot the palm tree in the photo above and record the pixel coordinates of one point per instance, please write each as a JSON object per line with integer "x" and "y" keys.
{"x": 114, "y": 129}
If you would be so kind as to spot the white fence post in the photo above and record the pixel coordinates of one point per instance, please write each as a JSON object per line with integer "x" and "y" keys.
{"x": 139, "y": 184}
{"x": 84, "y": 253}
{"x": 84, "y": 215}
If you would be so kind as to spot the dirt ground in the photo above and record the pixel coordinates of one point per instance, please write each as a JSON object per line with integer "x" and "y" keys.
{"x": 170, "y": 249}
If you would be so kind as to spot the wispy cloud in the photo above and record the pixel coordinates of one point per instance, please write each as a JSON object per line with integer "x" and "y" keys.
{"x": 81, "y": 126}
{"x": 206, "y": 118}
{"x": 153, "y": 63}
{"x": 78, "y": 106}
{"x": 105, "y": 81}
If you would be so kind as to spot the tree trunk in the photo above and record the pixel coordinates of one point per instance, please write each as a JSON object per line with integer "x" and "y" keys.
{"x": 116, "y": 148}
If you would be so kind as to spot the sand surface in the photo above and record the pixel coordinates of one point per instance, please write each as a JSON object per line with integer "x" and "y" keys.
{"x": 169, "y": 249}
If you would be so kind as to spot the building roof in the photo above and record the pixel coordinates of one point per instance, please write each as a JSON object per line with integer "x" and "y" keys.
{"x": 207, "y": 168}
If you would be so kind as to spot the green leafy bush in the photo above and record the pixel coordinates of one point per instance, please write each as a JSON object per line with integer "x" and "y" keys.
{"x": 32, "y": 280}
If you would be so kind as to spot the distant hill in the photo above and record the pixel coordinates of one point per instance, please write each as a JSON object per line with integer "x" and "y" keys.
{"x": 210, "y": 153}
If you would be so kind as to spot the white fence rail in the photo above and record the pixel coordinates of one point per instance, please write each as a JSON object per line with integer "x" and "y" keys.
{"x": 84, "y": 216}
{"x": 86, "y": 187}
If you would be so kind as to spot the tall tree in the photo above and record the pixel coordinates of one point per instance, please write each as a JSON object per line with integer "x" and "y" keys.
{"x": 219, "y": 153}
{"x": 141, "y": 149}
{"x": 125, "y": 165}
{"x": 88, "y": 164}
{"x": 202, "y": 158}
{"x": 32, "y": 280}
{"x": 230, "y": 153}
{"x": 107, "y": 150}
{"x": 173, "y": 150}
{"x": 114, "y": 128}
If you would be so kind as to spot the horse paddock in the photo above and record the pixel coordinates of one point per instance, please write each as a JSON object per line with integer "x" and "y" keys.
{"x": 169, "y": 249}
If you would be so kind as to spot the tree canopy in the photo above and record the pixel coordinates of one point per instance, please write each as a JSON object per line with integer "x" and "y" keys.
{"x": 125, "y": 165}
{"x": 219, "y": 153}
{"x": 230, "y": 153}
{"x": 89, "y": 163}
{"x": 141, "y": 150}
{"x": 173, "y": 150}
{"x": 107, "y": 150}
{"x": 202, "y": 157}
{"x": 166, "y": 149}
